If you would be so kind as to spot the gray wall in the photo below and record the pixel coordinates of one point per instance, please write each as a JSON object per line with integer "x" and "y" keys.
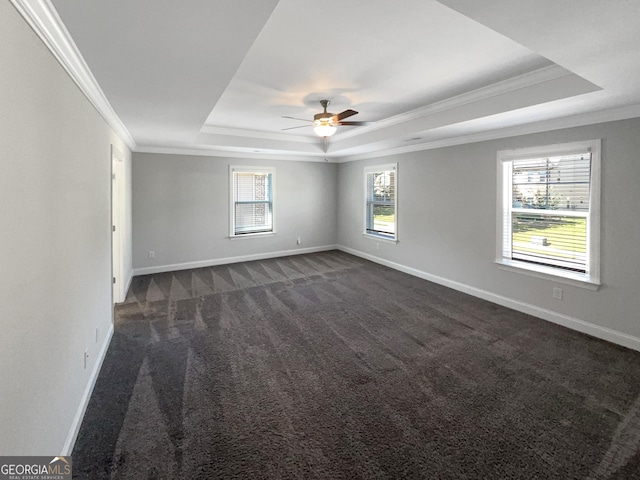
{"x": 56, "y": 243}
{"x": 181, "y": 210}
{"x": 447, "y": 224}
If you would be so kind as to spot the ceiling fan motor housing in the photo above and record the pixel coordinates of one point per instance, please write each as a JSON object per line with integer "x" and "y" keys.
{"x": 324, "y": 118}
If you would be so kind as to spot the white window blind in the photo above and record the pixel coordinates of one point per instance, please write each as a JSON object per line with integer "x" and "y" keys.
{"x": 252, "y": 202}
{"x": 550, "y": 209}
{"x": 380, "y": 201}
{"x": 550, "y": 212}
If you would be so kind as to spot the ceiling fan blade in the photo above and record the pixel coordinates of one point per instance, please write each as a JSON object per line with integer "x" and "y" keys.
{"x": 296, "y": 118}
{"x": 299, "y": 126}
{"x": 345, "y": 114}
{"x": 356, "y": 124}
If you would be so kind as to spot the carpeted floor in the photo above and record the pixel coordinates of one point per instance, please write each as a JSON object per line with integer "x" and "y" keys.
{"x": 326, "y": 366}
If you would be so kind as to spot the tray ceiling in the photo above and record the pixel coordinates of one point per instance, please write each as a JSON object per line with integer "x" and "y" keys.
{"x": 216, "y": 77}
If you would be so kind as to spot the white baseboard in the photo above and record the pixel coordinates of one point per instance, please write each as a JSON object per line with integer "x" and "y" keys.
{"x": 224, "y": 261}
{"x": 86, "y": 396}
{"x": 597, "y": 331}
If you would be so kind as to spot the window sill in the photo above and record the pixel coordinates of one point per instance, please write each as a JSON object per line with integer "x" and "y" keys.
{"x": 251, "y": 235}
{"x": 548, "y": 273}
{"x": 380, "y": 238}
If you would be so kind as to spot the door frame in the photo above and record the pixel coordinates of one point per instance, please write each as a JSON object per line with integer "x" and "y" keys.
{"x": 117, "y": 225}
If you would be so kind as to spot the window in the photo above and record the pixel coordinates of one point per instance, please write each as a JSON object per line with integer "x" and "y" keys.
{"x": 251, "y": 200}
{"x": 381, "y": 188}
{"x": 548, "y": 210}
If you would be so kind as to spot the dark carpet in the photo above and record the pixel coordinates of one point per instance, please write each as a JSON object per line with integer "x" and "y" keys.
{"x": 327, "y": 366}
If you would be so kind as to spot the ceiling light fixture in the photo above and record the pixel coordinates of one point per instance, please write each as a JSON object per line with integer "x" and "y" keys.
{"x": 325, "y": 123}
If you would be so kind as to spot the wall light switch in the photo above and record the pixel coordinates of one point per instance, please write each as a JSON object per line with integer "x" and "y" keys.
{"x": 152, "y": 254}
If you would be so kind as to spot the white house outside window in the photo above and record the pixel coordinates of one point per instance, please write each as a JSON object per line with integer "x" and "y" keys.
{"x": 380, "y": 201}
{"x": 252, "y": 206}
{"x": 548, "y": 210}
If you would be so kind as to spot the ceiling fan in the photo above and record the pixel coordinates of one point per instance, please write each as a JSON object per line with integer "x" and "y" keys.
{"x": 325, "y": 123}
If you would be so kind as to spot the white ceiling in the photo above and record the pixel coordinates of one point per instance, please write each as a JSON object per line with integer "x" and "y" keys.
{"x": 216, "y": 77}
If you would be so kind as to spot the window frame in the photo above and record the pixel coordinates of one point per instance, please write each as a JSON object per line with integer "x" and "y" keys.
{"x": 232, "y": 200}
{"x": 381, "y": 236}
{"x": 505, "y": 158}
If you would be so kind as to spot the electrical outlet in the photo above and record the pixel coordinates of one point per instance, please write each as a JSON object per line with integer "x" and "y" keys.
{"x": 299, "y": 241}
{"x": 97, "y": 334}
{"x": 86, "y": 358}
{"x": 152, "y": 254}
{"x": 557, "y": 293}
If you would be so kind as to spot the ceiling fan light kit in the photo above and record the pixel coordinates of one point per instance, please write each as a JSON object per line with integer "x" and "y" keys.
{"x": 324, "y": 130}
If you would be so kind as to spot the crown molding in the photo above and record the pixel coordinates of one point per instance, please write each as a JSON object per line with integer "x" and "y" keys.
{"x": 591, "y": 118}
{"x": 43, "y": 19}
{"x": 540, "y": 75}
{"x": 225, "y": 153}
